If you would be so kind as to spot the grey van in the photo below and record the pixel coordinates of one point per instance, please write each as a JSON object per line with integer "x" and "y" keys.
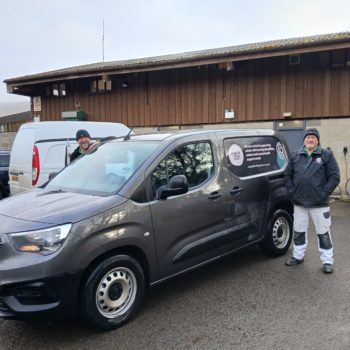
{"x": 135, "y": 212}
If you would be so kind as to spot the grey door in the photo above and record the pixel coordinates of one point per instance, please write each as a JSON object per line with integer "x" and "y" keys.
{"x": 188, "y": 227}
{"x": 294, "y": 138}
{"x": 292, "y": 134}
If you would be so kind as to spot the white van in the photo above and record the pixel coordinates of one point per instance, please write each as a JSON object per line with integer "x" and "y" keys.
{"x": 43, "y": 148}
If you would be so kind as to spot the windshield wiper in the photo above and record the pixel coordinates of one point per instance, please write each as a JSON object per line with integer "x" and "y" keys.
{"x": 101, "y": 142}
{"x": 59, "y": 190}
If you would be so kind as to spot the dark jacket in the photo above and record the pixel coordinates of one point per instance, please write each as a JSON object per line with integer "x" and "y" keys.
{"x": 76, "y": 153}
{"x": 310, "y": 180}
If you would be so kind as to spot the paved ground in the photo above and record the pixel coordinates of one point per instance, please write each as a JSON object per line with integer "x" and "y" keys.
{"x": 246, "y": 301}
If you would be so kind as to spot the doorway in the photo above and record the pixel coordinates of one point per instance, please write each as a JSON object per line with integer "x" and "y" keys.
{"x": 293, "y": 132}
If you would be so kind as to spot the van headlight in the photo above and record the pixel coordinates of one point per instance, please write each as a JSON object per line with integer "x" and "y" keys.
{"x": 45, "y": 241}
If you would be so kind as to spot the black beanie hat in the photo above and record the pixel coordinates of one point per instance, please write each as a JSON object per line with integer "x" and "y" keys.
{"x": 312, "y": 131}
{"x": 82, "y": 133}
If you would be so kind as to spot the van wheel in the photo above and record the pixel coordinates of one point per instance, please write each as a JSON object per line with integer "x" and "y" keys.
{"x": 278, "y": 234}
{"x": 113, "y": 292}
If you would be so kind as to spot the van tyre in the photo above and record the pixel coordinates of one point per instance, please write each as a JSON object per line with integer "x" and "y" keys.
{"x": 279, "y": 234}
{"x": 113, "y": 292}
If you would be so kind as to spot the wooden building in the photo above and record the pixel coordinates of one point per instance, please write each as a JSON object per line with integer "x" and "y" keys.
{"x": 286, "y": 84}
{"x": 304, "y": 78}
{"x": 9, "y": 126}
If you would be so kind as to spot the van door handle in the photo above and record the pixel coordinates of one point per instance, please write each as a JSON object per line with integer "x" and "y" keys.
{"x": 215, "y": 195}
{"x": 21, "y": 173}
{"x": 236, "y": 190}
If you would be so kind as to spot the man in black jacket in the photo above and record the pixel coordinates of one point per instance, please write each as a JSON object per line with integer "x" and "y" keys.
{"x": 311, "y": 176}
{"x": 84, "y": 140}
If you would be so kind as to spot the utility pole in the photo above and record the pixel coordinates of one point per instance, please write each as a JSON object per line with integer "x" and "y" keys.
{"x": 103, "y": 40}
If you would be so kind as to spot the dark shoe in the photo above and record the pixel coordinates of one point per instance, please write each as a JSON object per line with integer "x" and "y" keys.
{"x": 293, "y": 261}
{"x": 327, "y": 268}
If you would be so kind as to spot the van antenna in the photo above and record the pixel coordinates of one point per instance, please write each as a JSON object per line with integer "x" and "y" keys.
{"x": 127, "y": 137}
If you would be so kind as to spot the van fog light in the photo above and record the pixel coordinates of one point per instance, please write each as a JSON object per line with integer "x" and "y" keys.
{"x": 45, "y": 241}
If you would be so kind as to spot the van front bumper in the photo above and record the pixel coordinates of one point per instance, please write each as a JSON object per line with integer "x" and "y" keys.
{"x": 46, "y": 299}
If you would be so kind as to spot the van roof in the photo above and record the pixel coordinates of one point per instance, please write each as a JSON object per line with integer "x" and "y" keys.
{"x": 68, "y": 129}
{"x": 161, "y": 136}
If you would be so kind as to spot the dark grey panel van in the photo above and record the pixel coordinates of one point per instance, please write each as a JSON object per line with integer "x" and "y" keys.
{"x": 137, "y": 211}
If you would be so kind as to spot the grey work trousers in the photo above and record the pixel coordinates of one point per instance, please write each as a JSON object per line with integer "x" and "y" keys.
{"x": 322, "y": 220}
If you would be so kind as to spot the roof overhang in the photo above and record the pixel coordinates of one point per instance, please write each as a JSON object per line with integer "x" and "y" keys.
{"x": 22, "y": 85}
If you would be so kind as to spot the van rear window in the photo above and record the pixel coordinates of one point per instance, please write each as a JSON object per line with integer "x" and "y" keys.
{"x": 4, "y": 160}
{"x": 249, "y": 156}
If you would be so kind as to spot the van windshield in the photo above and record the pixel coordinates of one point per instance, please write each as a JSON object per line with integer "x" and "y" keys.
{"x": 105, "y": 171}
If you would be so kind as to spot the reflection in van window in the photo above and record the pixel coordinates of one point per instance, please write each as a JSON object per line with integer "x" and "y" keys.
{"x": 105, "y": 171}
{"x": 194, "y": 160}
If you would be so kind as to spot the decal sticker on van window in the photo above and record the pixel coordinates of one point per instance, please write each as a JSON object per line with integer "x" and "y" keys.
{"x": 247, "y": 156}
{"x": 281, "y": 157}
{"x": 235, "y": 154}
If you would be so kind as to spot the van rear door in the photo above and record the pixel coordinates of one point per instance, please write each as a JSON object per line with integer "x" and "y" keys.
{"x": 54, "y": 156}
{"x": 20, "y": 170}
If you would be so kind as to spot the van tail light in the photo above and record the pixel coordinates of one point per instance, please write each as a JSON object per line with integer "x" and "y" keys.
{"x": 35, "y": 166}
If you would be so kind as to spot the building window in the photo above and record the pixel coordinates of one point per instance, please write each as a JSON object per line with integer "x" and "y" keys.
{"x": 100, "y": 85}
{"x": 62, "y": 89}
{"x": 56, "y": 90}
{"x": 338, "y": 58}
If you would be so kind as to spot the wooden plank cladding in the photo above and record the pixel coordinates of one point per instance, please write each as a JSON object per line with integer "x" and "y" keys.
{"x": 309, "y": 86}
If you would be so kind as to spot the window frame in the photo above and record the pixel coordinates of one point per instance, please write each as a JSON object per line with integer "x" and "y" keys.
{"x": 212, "y": 174}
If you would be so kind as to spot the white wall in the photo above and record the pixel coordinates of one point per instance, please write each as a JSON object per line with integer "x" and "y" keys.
{"x": 335, "y": 133}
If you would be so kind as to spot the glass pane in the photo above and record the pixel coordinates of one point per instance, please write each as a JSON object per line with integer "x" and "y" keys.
{"x": 4, "y": 160}
{"x": 105, "y": 171}
{"x": 193, "y": 160}
{"x": 250, "y": 156}
{"x": 62, "y": 89}
{"x": 159, "y": 177}
{"x": 55, "y": 91}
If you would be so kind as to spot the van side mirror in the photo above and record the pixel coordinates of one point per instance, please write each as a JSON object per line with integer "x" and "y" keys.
{"x": 178, "y": 184}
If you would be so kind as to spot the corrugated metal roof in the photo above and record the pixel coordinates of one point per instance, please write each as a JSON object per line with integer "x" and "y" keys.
{"x": 189, "y": 57}
{"x": 17, "y": 117}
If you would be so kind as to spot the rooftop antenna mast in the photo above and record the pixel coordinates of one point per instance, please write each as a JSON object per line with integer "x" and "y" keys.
{"x": 103, "y": 39}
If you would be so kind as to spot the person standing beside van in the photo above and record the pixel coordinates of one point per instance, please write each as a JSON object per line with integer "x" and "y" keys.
{"x": 84, "y": 140}
{"x": 311, "y": 176}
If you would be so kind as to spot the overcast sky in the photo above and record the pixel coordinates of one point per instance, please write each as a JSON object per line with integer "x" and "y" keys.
{"x": 42, "y": 35}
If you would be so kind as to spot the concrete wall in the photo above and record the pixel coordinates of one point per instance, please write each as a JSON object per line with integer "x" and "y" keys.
{"x": 6, "y": 140}
{"x": 335, "y": 133}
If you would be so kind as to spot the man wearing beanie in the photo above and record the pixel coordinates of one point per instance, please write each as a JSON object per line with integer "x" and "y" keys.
{"x": 84, "y": 140}
{"x": 311, "y": 176}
